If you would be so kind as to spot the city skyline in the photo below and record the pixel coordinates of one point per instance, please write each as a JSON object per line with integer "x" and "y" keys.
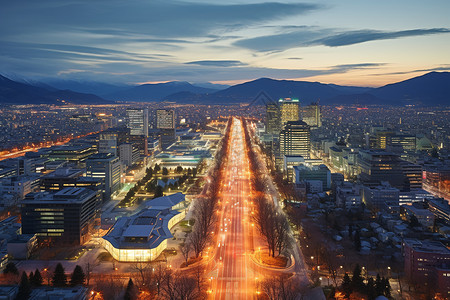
{"x": 351, "y": 43}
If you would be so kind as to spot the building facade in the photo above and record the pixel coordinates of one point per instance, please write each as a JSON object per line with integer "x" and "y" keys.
{"x": 67, "y": 215}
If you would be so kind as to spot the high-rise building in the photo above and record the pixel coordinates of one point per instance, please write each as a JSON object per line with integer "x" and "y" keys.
{"x": 137, "y": 121}
{"x": 165, "y": 122}
{"x": 311, "y": 115}
{"x": 165, "y": 119}
{"x": 295, "y": 139}
{"x": 106, "y": 166}
{"x": 108, "y": 143}
{"x": 289, "y": 109}
{"x": 67, "y": 214}
{"x": 128, "y": 154}
{"x": 273, "y": 118}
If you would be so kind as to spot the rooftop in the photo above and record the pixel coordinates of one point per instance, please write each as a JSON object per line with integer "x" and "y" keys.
{"x": 427, "y": 246}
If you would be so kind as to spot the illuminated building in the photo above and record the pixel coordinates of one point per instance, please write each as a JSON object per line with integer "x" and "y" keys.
{"x": 143, "y": 236}
{"x": 289, "y": 110}
{"x": 273, "y": 118}
{"x": 67, "y": 214}
{"x": 67, "y": 177}
{"x": 137, "y": 121}
{"x": 165, "y": 122}
{"x": 107, "y": 167}
{"x": 71, "y": 153}
{"x": 312, "y": 115}
{"x": 291, "y": 160}
{"x": 128, "y": 154}
{"x": 295, "y": 139}
{"x": 308, "y": 173}
{"x": 108, "y": 143}
{"x": 165, "y": 119}
{"x": 377, "y": 166}
{"x": 427, "y": 263}
{"x": 382, "y": 197}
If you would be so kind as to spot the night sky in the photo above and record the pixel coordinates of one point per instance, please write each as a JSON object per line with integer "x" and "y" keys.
{"x": 366, "y": 43}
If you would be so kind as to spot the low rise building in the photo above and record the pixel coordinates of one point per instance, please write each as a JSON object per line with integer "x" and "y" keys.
{"x": 313, "y": 173}
{"x": 382, "y": 198}
{"x": 427, "y": 263}
{"x": 143, "y": 236}
{"x": 423, "y": 216}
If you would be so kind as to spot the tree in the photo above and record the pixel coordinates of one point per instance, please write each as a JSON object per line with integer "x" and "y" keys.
{"x": 130, "y": 292}
{"x": 37, "y": 278}
{"x": 165, "y": 171}
{"x": 30, "y": 277}
{"x": 194, "y": 172}
{"x": 346, "y": 285}
{"x": 185, "y": 249}
{"x": 370, "y": 289}
{"x": 379, "y": 288}
{"x": 157, "y": 168}
{"x": 179, "y": 169}
{"x": 78, "y": 276}
{"x": 11, "y": 269}
{"x": 24, "y": 287}
{"x": 158, "y": 192}
{"x": 59, "y": 277}
{"x": 357, "y": 280}
{"x": 387, "y": 287}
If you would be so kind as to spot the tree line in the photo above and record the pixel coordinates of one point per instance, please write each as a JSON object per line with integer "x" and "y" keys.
{"x": 205, "y": 207}
{"x": 271, "y": 224}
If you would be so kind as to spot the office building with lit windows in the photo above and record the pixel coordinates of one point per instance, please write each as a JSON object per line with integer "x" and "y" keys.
{"x": 66, "y": 215}
{"x": 273, "y": 118}
{"x": 295, "y": 139}
{"x": 312, "y": 115}
{"x": 165, "y": 122}
{"x": 289, "y": 109}
{"x": 108, "y": 143}
{"x": 68, "y": 177}
{"x": 428, "y": 263}
{"x": 137, "y": 121}
{"x": 107, "y": 167}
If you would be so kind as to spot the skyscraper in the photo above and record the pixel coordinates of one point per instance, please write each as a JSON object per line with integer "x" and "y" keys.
{"x": 289, "y": 109}
{"x": 273, "y": 118}
{"x": 311, "y": 115}
{"x": 108, "y": 143}
{"x": 107, "y": 167}
{"x": 165, "y": 122}
{"x": 137, "y": 121}
{"x": 295, "y": 139}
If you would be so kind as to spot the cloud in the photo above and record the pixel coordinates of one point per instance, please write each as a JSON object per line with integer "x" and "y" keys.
{"x": 347, "y": 67}
{"x": 217, "y": 63}
{"x": 313, "y": 36}
{"x": 154, "y": 18}
{"x": 442, "y": 68}
{"x": 361, "y": 36}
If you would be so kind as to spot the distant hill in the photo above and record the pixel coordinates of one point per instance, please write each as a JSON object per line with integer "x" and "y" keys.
{"x": 89, "y": 87}
{"x": 157, "y": 91}
{"x": 13, "y": 92}
{"x": 431, "y": 89}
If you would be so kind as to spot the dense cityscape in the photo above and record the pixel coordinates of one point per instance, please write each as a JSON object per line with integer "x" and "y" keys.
{"x": 276, "y": 199}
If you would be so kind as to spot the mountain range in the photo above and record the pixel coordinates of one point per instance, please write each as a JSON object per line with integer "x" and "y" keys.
{"x": 14, "y": 92}
{"x": 431, "y": 89}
